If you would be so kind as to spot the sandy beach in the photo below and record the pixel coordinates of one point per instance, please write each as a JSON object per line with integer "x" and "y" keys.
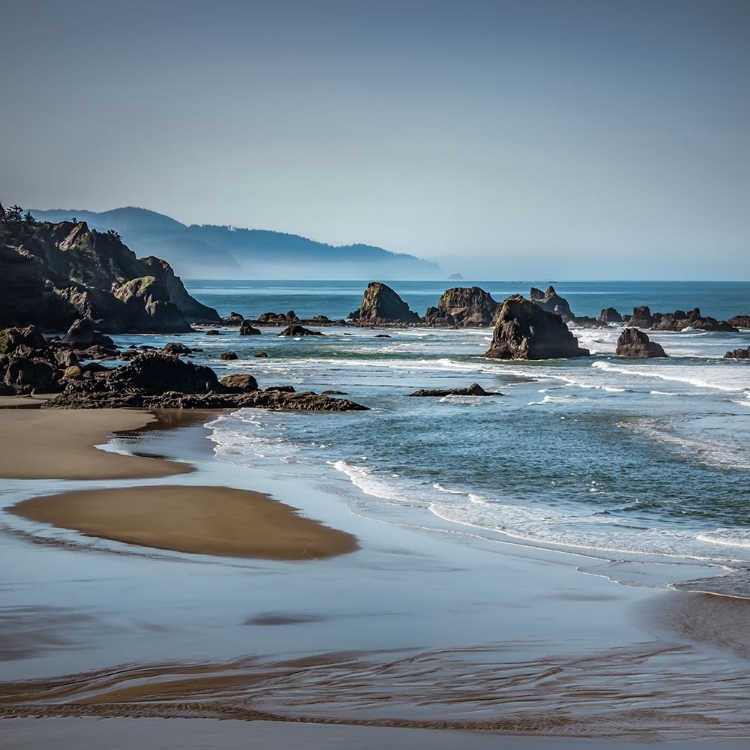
{"x": 414, "y": 631}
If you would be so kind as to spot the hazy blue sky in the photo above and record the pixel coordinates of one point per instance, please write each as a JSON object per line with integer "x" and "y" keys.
{"x": 567, "y": 139}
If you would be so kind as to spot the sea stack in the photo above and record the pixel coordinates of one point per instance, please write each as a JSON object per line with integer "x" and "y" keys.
{"x": 381, "y": 305}
{"x": 636, "y": 344}
{"x": 465, "y": 307}
{"x": 524, "y": 330}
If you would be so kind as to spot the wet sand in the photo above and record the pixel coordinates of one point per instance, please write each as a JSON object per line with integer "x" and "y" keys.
{"x": 200, "y": 520}
{"x": 60, "y": 444}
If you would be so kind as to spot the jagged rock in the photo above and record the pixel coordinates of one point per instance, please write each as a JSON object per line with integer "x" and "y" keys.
{"x": 229, "y": 355}
{"x": 27, "y": 375}
{"x": 80, "y": 335}
{"x": 473, "y": 390}
{"x": 465, "y": 307}
{"x": 214, "y": 332}
{"x": 155, "y": 373}
{"x": 282, "y": 388}
{"x": 65, "y": 358}
{"x": 740, "y": 321}
{"x": 242, "y": 383}
{"x": 524, "y": 330}
{"x": 248, "y": 329}
{"x": 297, "y": 330}
{"x": 381, "y": 304}
{"x": 148, "y": 307}
{"x": 272, "y": 318}
{"x": 635, "y": 343}
{"x": 588, "y": 322}
{"x": 551, "y": 302}
{"x": 641, "y": 317}
{"x": 11, "y": 339}
{"x": 176, "y": 348}
{"x": 610, "y": 315}
{"x": 738, "y": 354}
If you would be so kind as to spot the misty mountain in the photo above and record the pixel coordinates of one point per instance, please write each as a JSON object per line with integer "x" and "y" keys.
{"x": 220, "y": 252}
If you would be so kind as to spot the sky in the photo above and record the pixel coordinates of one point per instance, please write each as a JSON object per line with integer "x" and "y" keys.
{"x": 570, "y": 139}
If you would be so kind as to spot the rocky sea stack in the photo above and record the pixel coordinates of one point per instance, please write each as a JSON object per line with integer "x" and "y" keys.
{"x": 636, "y": 344}
{"x": 463, "y": 307}
{"x": 53, "y": 274}
{"x": 524, "y": 330}
{"x": 552, "y": 302}
{"x": 381, "y": 305}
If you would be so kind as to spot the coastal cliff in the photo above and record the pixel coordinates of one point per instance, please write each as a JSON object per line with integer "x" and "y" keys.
{"x": 53, "y": 274}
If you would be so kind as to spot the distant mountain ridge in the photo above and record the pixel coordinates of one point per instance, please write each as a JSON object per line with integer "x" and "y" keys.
{"x": 219, "y": 252}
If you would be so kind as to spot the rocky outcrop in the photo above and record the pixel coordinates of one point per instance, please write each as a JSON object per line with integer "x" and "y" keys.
{"x": 740, "y": 321}
{"x": 584, "y": 321}
{"x": 679, "y": 320}
{"x": 298, "y": 330}
{"x": 524, "y": 330}
{"x": 53, "y": 274}
{"x": 473, "y": 390}
{"x": 738, "y": 354}
{"x": 610, "y": 315}
{"x": 636, "y": 344}
{"x": 381, "y": 305}
{"x": 463, "y": 307}
{"x": 552, "y": 302}
{"x": 175, "y": 347}
{"x": 228, "y": 356}
{"x": 641, "y": 317}
{"x": 240, "y": 383}
{"x": 247, "y": 329}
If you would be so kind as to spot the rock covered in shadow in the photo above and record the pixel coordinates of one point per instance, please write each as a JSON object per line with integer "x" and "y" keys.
{"x": 636, "y": 344}
{"x": 463, "y": 307}
{"x": 297, "y": 330}
{"x": 679, "y": 320}
{"x": 641, "y": 317}
{"x": 610, "y": 315}
{"x": 551, "y": 302}
{"x": 740, "y": 321}
{"x": 738, "y": 354}
{"x": 381, "y": 305}
{"x": 248, "y": 329}
{"x": 524, "y": 330}
{"x": 176, "y": 348}
{"x": 473, "y": 390}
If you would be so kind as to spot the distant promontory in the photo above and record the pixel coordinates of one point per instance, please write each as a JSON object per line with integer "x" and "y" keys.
{"x": 226, "y": 252}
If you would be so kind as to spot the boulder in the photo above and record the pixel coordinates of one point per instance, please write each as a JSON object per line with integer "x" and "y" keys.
{"x": 83, "y": 335}
{"x": 229, "y": 355}
{"x": 248, "y": 329}
{"x": 27, "y": 375}
{"x": 587, "y": 322}
{"x": 464, "y": 307}
{"x": 155, "y": 373}
{"x": 12, "y": 339}
{"x": 610, "y": 315}
{"x": 176, "y": 348}
{"x": 241, "y": 383}
{"x": 641, "y": 317}
{"x": 262, "y": 355}
{"x": 524, "y": 330}
{"x": 552, "y": 302}
{"x": 473, "y": 390}
{"x": 73, "y": 372}
{"x": 740, "y": 321}
{"x": 297, "y": 330}
{"x": 738, "y": 354}
{"x": 381, "y": 305}
{"x": 636, "y": 344}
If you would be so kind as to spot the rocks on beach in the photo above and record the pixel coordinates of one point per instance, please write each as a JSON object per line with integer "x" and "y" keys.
{"x": 636, "y": 344}
{"x": 526, "y": 331}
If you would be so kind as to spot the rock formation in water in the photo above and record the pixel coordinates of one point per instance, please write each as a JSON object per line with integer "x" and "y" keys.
{"x": 297, "y": 330}
{"x": 641, "y": 317}
{"x": 636, "y": 344}
{"x": 740, "y": 321}
{"x": 610, "y": 315}
{"x": 53, "y": 274}
{"x": 524, "y": 330}
{"x": 473, "y": 390}
{"x": 679, "y": 320}
{"x": 552, "y": 302}
{"x": 381, "y": 305}
{"x": 738, "y": 354}
{"x": 463, "y": 307}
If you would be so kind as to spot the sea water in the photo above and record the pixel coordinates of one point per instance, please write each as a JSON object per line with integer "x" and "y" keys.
{"x": 638, "y": 462}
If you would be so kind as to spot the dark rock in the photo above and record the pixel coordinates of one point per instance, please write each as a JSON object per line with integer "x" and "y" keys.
{"x": 282, "y": 388}
{"x": 610, "y": 315}
{"x": 641, "y": 317}
{"x": 551, "y": 302}
{"x": 738, "y": 354}
{"x": 80, "y": 335}
{"x": 320, "y": 319}
{"x": 291, "y": 316}
{"x": 587, "y": 322}
{"x": 214, "y": 332}
{"x": 464, "y": 307}
{"x": 473, "y": 390}
{"x": 176, "y": 348}
{"x": 27, "y": 375}
{"x": 382, "y": 336}
{"x": 229, "y": 355}
{"x": 526, "y": 331}
{"x": 381, "y": 304}
{"x": 241, "y": 383}
{"x": 297, "y": 330}
{"x": 13, "y": 338}
{"x": 262, "y": 355}
{"x": 66, "y": 358}
{"x": 740, "y": 321}
{"x": 335, "y": 393}
{"x": 154, "y": 373}
{"x": 680, "y": 320}
{"x": 635, "y": 343}
{"x": 248, "y": 329}
{"x": 273, "y": 318}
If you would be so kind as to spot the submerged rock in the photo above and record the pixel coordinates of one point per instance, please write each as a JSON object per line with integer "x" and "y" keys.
{"x": 738, "y": 354}
{"x": 524, "y": 330}
{"x": 636, "y": 344}
{"x": 473, "y": 390}
{"x": 228, "y": 355}
{"x": 381, "y": 305}
{"x": 463, "y": 307}
{"x": 297, "y": 330}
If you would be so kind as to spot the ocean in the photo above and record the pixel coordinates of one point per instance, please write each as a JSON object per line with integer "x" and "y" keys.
{"x": 639, "y": 466}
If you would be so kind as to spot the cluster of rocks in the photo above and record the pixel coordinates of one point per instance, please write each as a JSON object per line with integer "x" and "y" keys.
{"x": 738, "y": 354}
{"x": 678, "y": 321}
{"x": 473, "y": 390}
{"x": 52, "y": 274}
